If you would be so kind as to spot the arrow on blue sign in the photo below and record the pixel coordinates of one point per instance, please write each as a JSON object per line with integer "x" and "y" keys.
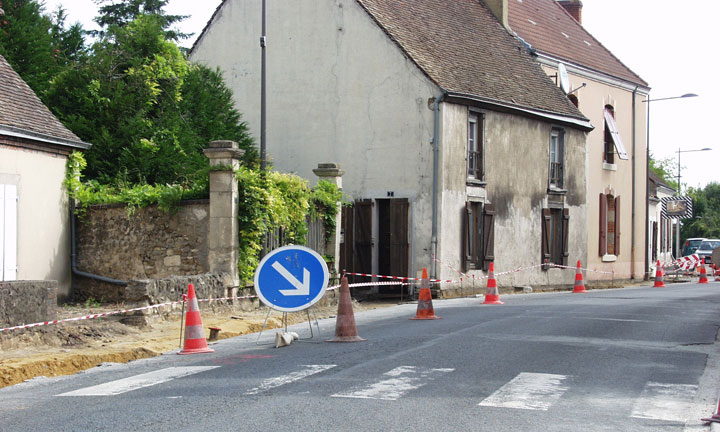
{"x": 291, "y": 278}
{"x": 301, "y": 288}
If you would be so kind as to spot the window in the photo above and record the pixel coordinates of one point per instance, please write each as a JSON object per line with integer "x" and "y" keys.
{"x": 613, "y": 142}
{"x": 555, "y": 225}
{"x": 557, "y": 158}
{"x": 476, "y": 139}
{"x": 609, "y": 241}
{"x": 478, "y": 236}
{"x": 8, "y": 232}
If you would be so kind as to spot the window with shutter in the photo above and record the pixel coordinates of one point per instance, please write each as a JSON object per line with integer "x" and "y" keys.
{"x": 546, "y": 241}
{"x": 616, "y": 216}
{"x": 565, "y": 231}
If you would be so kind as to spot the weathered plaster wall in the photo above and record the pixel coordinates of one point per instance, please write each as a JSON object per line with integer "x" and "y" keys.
{"x": 592, "y": 100}
{"x": 43, "y": 236}
{"x": 149, "y": 244}
{"x": 27, "y": 302}
{"x": 337, "y": 87}
{"x": 517, "y": 154}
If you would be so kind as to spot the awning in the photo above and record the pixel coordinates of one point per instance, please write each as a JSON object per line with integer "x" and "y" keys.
{"x": 615, "y": 134}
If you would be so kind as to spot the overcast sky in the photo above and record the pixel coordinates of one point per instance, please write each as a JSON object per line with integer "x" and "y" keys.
{"x": 670, "y": 44}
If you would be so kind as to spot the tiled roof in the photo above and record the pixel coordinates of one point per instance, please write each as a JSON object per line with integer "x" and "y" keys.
{"x": 23, "y": 112}
{"x": 550, "y": 29}
{"x": 462, "y": 47}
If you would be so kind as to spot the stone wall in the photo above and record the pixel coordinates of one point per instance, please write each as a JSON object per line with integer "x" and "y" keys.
{"x": 27, "y": 302}
{"x": 149, "y": 244}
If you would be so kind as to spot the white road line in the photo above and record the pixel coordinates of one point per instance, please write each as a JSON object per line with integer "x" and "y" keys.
{"x": 138, "y": 381}
{"x": 670, "y": 402}
{"x": 403, "y": 379}
{"x": 287, "y": 379}
{"x": 530, "y": 391}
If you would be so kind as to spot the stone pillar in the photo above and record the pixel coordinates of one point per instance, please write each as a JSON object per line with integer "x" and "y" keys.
{"x": 331, "y": 172}
{"x": 223, "y": 228}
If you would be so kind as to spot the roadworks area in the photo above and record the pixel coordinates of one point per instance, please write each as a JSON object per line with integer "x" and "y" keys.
{"x": 70, "y": 347}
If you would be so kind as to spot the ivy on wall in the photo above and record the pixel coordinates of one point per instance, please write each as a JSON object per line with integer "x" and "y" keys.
{"x": 266, "y": 201}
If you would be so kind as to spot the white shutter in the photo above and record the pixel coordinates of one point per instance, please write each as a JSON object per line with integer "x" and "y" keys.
{"x": 10, "y": 234}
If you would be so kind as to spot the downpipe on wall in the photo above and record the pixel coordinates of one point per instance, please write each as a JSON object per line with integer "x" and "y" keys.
{"x": 73, "y": 254}
{"x": 436, "y": 168}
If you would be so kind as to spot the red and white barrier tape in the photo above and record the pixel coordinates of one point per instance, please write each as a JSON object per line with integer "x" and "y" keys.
{"x": 400, "y": 278}
{"x": 117, "y": 312}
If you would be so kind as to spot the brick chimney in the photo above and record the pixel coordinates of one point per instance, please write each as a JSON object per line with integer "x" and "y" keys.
{"x": 574, "y": 8}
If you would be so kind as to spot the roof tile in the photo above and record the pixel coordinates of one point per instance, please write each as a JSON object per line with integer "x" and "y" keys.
{"x": 555, "y": 32}
{"x": 463, "y": 48}
{"x": 21, "y": 108}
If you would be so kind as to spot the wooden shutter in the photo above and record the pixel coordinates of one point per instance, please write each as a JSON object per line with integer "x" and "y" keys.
{"x": 465, "y": 222}
{"x": 362, "y": 236}
{"x": 8, "y": 224}
{"x": 346, "y": 245}
{"x": 565, "y": 229}
{"x": 488, "y": 231}
{"x": 546, "y": 233}
{"x": 399, "y": 243}
{"x": 602, "y": 240}
{"x": 617, "y": 226}
{"x": 654, "y": 240}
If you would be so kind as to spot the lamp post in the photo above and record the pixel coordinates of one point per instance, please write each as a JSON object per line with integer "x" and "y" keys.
{"x": 647, "y": 175}
{"x": 679, "y": 193}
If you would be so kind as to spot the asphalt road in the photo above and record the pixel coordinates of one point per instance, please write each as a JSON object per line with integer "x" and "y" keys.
{"x": 634, "y": 359}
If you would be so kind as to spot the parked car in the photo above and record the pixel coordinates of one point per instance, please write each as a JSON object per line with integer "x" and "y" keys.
{"x": 691, "y": 245}
{"x": 706, "y": 248}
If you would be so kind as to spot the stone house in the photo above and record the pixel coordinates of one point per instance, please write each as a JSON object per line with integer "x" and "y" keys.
{"x": 457, "y": 148}
{"x": 611, "y": 95}
{"x": 34, "y": 212}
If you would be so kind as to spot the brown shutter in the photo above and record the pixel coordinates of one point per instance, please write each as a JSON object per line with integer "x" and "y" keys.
{"x": 565, "y": 226}
{"x": 546, "y": 232}
{"x": 465, "y": 222}
{"x": 654, "y": 240}
{"x": 362, "y": 236}
{"x": 488, "y": 230}
{"x": 602, "y": 250}
{"x": 617, "y": 226}
{"x": 399, "y": 243}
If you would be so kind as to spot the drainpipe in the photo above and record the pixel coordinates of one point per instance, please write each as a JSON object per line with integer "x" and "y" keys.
{"x": 73, "y": 261}
{"x": 632, "y": 236}
{"x": 436, "y": 164}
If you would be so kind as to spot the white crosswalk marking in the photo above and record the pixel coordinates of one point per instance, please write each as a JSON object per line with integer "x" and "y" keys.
{"x": 668, "y": 402}
{"x": 287, "y": 379}
{"x": 138, "y": 381}
{"x": 402, "y": 380}
{"x": 531, "y": 391}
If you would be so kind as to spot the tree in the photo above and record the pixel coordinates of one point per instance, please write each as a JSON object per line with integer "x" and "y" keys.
{"x": 145, "y": 109}
{"x": 663, "y": 168}
{"x": 38, "y": 46}
{"x": 706, "y": 213}
{"x": 121, "y": 13}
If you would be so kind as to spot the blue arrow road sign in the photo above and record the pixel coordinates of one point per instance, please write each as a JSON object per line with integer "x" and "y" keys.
{"x": 291, "y": 278}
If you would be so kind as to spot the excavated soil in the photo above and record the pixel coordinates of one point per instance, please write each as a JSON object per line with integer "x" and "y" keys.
{"x": 67, "y": 348}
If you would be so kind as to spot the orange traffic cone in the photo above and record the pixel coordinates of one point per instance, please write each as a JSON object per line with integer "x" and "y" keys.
{"x": 345, "y": 329}
{"x": 703, "y": 273}
{"x": 658, "y": 277}
{"x": 425, "y": 309}
{"x": 491, "y": 293}
{"x": 195, "y": 342}
{"x": 579, "y": 283}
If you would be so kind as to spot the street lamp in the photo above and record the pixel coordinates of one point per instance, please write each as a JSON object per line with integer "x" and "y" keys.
{"x": 678, "y": 193}
{"x": 647, "y": 176}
